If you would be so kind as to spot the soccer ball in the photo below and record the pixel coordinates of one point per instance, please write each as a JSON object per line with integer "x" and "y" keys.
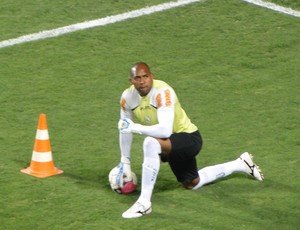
{"x": 120, "y": 182}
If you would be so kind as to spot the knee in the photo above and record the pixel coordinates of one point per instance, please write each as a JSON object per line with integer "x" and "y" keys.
{"x": 151, "y": 146}
{"x": 191, "y": 184}
{"x": 188, "y": 186}
{"x": 148, "y": 142}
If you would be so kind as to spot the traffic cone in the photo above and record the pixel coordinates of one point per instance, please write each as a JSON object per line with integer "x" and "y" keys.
{"x": 42, "y": 164}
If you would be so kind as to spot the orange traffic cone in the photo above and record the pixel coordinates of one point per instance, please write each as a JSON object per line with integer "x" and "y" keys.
{"x": 41, "y": 162}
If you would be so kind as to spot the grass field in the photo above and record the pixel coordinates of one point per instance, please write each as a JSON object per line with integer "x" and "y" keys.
{"x": 235, "y": 67}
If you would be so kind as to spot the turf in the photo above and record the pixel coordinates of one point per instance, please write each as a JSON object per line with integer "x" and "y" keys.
{"x": 235, "y": 68}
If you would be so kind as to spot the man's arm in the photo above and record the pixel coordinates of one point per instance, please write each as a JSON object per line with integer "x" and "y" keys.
{"x": 165, "y": 116}
{"x": 164, "y": 127}
{"x": 125, "y": 139}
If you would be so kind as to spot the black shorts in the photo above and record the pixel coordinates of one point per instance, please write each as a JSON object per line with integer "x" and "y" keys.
{"x": 182, "y": 158}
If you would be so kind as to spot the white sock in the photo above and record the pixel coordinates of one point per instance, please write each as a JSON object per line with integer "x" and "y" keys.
{"x": 151, "y": 165}
{"x": 213, "y": 173}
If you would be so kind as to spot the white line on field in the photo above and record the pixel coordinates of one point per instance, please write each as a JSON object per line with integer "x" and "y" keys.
{"x": 95, "y": 23}
{"x": 274, "y": 7}
{"x": 121, "y": 17}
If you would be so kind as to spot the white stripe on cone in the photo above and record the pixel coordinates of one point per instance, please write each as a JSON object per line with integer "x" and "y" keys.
{"x": 42, "y": 134}
{"x": 42, "y": 156}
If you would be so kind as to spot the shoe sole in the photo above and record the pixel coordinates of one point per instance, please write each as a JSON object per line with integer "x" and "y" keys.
{"x": 136, "y": 215}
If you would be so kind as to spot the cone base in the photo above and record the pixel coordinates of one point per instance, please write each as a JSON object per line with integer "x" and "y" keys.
{"x": 31, "y": 172}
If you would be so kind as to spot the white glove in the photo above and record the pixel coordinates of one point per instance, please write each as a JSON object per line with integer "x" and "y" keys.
{"x": 125, "y": 168}
{"x": 126, "y": 125}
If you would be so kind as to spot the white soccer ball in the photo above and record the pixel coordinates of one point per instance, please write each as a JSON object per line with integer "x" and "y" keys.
{"x": 121, "y": 183}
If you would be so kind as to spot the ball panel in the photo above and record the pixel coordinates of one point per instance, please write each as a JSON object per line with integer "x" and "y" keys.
{"x": 120, "y": 182}
{"x": 129, "y": 187}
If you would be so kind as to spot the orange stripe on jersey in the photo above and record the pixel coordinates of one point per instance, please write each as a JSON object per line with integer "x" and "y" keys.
{"x": 168, "y": 97}
{"x": 123, "y": 102}
{"x": 158, "y": 99}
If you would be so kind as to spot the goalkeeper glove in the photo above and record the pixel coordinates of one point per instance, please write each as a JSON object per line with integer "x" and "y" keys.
{"x": 124, "y": 168}
{"x": 126, "y": 125}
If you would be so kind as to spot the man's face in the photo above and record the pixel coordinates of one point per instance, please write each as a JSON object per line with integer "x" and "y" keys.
{"x": 142, "y": 79}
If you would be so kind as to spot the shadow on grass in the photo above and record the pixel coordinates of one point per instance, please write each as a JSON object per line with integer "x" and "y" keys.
{"x": 88, "y": 179}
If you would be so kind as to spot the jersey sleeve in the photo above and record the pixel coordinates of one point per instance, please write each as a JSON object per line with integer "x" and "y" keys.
{"x": 165, "y": 100}
{"x": 125, "y": 111}
{"x": 125, "y": 140}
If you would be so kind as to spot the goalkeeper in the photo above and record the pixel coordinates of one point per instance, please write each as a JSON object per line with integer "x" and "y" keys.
{"x": 170, "y": 137}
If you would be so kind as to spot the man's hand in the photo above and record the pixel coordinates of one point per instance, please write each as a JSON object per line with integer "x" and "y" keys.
{"x": 125, "y": 125}
{"x": 125, "y": 168}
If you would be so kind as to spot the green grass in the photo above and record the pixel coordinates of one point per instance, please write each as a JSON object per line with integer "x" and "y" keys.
{"x": 287, "y": 3}
{"x": 235, "y": 68}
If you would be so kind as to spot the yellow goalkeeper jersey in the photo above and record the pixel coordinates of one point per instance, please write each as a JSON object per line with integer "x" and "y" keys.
{"x": 144, "y": 108}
